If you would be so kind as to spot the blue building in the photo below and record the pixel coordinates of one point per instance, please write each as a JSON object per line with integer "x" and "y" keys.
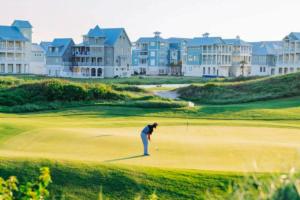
{"x": 158, "y": 56}
{"x": 265, "y": 57}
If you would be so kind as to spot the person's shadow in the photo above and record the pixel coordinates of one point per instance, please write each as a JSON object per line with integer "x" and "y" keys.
{"x": 125, "y": 158}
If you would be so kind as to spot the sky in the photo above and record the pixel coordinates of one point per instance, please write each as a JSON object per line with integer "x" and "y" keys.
{"x": 252, "y": 20}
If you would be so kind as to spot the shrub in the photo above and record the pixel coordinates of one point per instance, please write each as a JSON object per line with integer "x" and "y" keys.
{"x": 10, "y": 188}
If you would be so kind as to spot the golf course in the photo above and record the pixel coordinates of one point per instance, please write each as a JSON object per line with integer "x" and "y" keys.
{"x": 93, "y": 147}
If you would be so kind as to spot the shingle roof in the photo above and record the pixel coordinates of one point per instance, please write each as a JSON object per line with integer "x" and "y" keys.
{"x": 266, "y": 48}
{"x": 237, "y": 42}
{"x": 62, "y": 44}
{"x": 45, "y": 45}
{"x": 11, "y": 33}
{"x": 96, "y": 32}
{"x": 205, "y": 41}
{"x": 112, "y": 35}
{"x": 22, "y": 24}
{"x": 295, "y": 35}
{"x": 36, "y": 47}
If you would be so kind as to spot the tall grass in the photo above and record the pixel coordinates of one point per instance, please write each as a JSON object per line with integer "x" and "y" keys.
{"x": 241, "y": 92}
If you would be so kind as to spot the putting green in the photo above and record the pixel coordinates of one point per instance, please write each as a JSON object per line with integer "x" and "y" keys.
{"x": 204, "y": 147}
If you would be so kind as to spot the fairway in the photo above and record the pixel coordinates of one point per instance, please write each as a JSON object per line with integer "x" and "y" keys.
{"x": 201, "y": 144}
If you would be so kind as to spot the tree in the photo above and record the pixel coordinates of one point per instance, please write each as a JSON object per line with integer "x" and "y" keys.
{"x": 243, "y": 63}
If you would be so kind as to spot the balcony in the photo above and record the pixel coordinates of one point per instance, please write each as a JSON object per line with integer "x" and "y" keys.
{"x": 89, "y": 64}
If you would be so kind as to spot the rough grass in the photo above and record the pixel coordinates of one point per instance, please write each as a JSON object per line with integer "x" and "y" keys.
{"x": 77, "y": 181}
{"x": 241, "y": 92}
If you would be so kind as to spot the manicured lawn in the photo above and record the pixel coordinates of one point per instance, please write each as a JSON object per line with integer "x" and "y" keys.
{"x": 185, "y": 139}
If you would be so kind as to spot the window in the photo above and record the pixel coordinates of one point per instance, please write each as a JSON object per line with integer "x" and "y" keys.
{"x": 152, "y": 53}
{"x": 18, "y": 68}
{"x": 204, "y": 71}
{"x": 152, "y": 62}
{"x": 2, "y": 68}
{"x": 152, "y": 44}
{"x": 10, "y": 68}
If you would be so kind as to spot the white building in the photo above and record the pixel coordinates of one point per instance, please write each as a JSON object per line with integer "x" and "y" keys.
{"x": 38, "y": 60}
{"x": 216, "y": 57}
{"x": 289, "y": 60}
{"x": 17, "y": 53}
{"x": 15, "y": 47}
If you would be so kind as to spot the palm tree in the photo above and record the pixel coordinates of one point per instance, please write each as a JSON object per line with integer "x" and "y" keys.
{"x": 243, "y": 63}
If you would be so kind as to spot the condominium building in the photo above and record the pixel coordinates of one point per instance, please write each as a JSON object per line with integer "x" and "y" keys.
{"x": 176, "y": 54}
{"x": 103, "y": 53}
{"x": 150, "y": 55}
{"x": 216, "y": 57}
{"x": 15, "y": 47}
{"x": 58, "y": 56}
{"x": 241, "y": 57}
{"x": 158, "y": 56}
{"x": 265, "y": 57}
{"x": 289, "y": 60}
{"x": 207, "y": 56}
{"x": 37, "y": 60}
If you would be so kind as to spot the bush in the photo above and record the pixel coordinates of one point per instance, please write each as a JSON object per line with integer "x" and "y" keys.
{"x": 57, "y": 90}
{"x": 10, "y": 188}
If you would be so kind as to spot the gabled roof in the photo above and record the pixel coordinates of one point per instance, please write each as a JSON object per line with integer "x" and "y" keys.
{"x": 267, "y": 48}
{"x": 236, "y": 42}
{"x": 200, "y": 41}
{"x": 96, "y": 32}
{"x": 62, "y": 44}
{"x": 112, "y": 35}
{"x": 294, "y": 36}
{"x": 45, "y": 45}
{"x": 36, "y": 47}
{"x": 11, "y": 33}
{"x": 22, "y": 24}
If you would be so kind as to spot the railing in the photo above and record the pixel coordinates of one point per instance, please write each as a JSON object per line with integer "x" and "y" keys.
{"x": 87, "y": 64}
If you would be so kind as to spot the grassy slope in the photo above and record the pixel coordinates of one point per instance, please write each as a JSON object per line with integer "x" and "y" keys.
{"x": 248, "y": 91}
{"x": 137, "y": 80}
{"x": 83, "y": 181}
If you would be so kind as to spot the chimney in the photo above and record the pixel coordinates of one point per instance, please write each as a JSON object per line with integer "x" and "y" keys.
{"x": 157, "y": 34}
{"x": 205, "y": 35}
{"x": 238, "y": 37}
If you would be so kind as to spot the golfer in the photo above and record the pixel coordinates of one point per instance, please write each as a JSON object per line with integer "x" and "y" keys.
{"x": 146, "y": 135}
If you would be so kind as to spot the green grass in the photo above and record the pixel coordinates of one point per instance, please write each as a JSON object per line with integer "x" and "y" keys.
{"x": 83, "y": 181}
{"x": 247, "y": 91}
{"x": 208, "y": 147}
{"x": 134, "y": 80}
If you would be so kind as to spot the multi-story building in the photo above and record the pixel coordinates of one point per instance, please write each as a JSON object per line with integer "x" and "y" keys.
{"x": 158, "y": 56}
{"x": 37, "y": 60}
{"x": 150, "y": 55}
{"x": 58, "y": 56}
{"x": 176, "y": 54}
{"x": 217, "y": 57}
{"x": 103, "y": 53}
{"x": 15, "y": 47}
{"x": 265, "y": 56}
{"x": 241, "y": 57}
{"x": 207, "y": 56}
{"x": 289, "y": 60}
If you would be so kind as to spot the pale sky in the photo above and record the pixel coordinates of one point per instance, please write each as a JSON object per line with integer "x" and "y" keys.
{"x": 253, "y": 20}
